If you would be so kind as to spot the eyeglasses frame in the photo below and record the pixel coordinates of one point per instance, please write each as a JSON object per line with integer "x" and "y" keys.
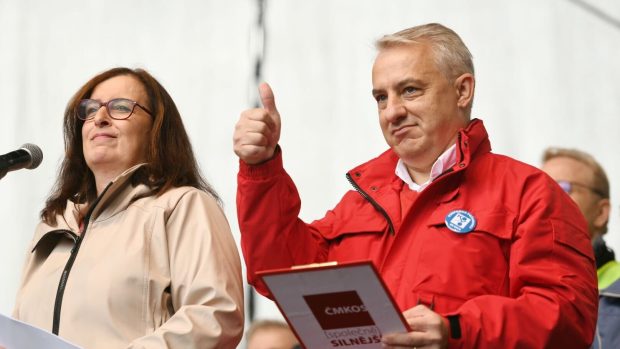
{"x": 571, "y": 183}
{"x": 105, "y": 104}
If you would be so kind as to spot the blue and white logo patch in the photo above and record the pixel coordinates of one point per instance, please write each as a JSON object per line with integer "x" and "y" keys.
{"x": 460, "y": 221}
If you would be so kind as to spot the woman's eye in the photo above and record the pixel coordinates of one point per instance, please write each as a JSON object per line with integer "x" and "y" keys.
{"x": 121, "y": 108}
{"x": 91, "y": 110}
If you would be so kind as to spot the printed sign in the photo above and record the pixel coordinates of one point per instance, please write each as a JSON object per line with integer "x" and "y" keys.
{"x": 339, "y": 310}
{"x": 335, "y": 306}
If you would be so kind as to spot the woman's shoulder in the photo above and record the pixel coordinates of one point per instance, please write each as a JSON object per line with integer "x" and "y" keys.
{"x": 184, "y": 190}
{"x": 178, "y": 195}
{"x": 189, "y": 203}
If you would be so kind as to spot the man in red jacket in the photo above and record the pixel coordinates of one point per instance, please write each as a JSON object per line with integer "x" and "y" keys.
{"x": 478, "y": 250}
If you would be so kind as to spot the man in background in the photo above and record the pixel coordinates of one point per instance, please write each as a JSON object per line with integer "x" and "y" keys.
{"x": 271, "y": 334}
{"x": 585, "y": 181}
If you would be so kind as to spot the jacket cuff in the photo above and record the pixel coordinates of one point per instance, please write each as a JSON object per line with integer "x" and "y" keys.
{"x": 455, "y": 326}
{"x": 264, "y": 169}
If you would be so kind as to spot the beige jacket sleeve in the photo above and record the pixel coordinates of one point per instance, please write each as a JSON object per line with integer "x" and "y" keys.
{"x": 206, "y": 292}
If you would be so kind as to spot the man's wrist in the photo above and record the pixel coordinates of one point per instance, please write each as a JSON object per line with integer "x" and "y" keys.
{"x": 264, "y": 169}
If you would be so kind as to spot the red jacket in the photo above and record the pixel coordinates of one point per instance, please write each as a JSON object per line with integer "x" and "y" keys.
{"x": 523, "y": 278}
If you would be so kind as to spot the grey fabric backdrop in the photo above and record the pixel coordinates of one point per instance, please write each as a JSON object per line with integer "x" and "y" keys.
{"x": 547, "y": 74}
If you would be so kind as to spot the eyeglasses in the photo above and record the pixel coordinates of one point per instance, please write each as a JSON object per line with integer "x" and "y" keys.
{"x": 118, "y": 108}
{"x": 567, "y": 186}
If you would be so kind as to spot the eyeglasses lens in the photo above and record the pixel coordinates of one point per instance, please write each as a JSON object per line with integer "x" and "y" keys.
{"x": 566, "y": 186}
{"x": 119, "y": 108}
{"x": 87, "y": 109}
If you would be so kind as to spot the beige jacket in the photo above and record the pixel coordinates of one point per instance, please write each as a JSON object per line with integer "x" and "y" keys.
{"x": 150, "y": 272}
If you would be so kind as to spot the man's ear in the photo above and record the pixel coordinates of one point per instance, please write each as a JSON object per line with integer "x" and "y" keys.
{"x": 602, "y": 214}
{"x": 464, "y": 86}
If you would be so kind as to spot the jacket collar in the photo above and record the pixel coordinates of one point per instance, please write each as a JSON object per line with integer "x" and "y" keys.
{"x": 116, "y": 197}
{"x": 471, "y": 141}
{"x": 602, "y": 253}
{"x": 378, "y": 180}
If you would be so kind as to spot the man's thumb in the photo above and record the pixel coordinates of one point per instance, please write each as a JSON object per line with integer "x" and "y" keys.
{"x": 267, "y": 98}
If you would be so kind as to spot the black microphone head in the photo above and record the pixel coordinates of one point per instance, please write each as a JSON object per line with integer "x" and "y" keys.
{"x": 36, "y": 155}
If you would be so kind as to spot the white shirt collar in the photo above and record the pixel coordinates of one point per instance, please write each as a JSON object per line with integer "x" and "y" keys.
{"x": 443, "y": 162}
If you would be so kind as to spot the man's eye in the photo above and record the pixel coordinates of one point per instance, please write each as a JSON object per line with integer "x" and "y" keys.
{"x": 380, "y": 98}
{"x": 410, "y": 90}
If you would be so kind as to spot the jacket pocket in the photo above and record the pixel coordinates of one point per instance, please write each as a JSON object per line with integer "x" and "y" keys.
{"x": 495, "y": 223}
{"x": 357, "y": 239}
{"x": 472, "y": 263}
{"x": 568, "y": 235}
{"x": 48, "y": 242}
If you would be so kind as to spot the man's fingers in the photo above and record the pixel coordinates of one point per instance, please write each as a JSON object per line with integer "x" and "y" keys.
{"x": 252, "y": 138}
{"x": 418, "y": 310}
{"x": 427, "y": 330}
{"x": 257, "y": 132}
{"x": 408, "y": 340}
{"x": 256, "y": 119}
{"x": 267, "y": 98}
{"x": 251, "y": 153}
{"x": 269, "y": 104}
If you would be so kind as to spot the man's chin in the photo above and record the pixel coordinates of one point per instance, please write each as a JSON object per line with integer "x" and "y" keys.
{"x": 409, "y": 153}
{"x": 408, "y": 147}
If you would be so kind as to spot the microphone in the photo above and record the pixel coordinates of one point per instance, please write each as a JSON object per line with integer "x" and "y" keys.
{"x": 29, "y": 156}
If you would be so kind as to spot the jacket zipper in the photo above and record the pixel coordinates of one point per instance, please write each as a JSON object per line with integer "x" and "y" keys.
{"x": 65, "y": 273}
{"x": 379, "y": 208}
{"x": 373, "y": 203}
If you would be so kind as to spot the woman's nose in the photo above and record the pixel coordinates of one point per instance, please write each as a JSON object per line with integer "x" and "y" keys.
{"x": 101, "y": 117}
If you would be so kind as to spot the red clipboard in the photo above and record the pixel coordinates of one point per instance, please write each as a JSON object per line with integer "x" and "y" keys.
{"x": 331, "y": 305}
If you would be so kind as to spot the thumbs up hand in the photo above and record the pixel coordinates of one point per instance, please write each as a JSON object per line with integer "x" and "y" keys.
{"x": 258, "y": 130}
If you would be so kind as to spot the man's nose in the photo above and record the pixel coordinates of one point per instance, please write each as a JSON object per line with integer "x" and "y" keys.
{"x": 394, "y": 110}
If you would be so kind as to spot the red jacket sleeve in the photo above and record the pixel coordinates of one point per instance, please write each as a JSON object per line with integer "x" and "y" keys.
{"x": 553, "y": 290}
{"x": 272, "y": 235}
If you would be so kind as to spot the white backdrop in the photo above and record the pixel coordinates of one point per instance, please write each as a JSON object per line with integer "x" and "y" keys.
{"x": 547, "y": 74}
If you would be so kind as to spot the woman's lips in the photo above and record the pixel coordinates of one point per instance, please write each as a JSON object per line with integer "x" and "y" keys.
{"x": 102, "y": 136}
